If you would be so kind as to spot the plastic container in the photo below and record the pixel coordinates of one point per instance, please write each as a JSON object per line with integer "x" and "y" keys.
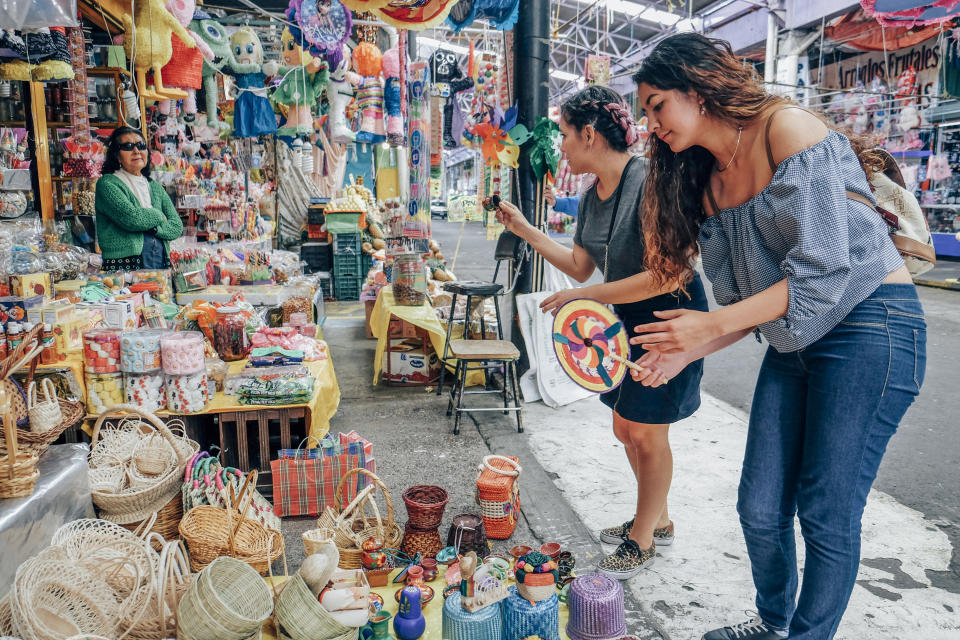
{"x": 101, "y": 350}
{"x": 230, "y": 335}
{"x": 187, "y": 394}
{"x": 104, "y": 390}
{"x": 145, "y": 390}
{"x": 183, "y": 353}
{"x": 410, "y": 282}
{"x": 140, "y": 351}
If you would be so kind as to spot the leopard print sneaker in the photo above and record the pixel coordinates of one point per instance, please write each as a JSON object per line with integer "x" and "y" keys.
{"x": 621, "y": 533}
{"x": 628, "y": 560}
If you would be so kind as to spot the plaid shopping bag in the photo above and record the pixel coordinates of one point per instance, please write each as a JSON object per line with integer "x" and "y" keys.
{"x": 354, "y": 437}
{"x": 305, "y": 480}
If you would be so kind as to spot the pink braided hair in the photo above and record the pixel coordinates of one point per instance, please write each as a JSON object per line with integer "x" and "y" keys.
{"x": 622, "y": 117}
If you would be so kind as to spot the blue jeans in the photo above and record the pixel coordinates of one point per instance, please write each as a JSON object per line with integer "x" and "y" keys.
{"x": 819, "y": 425}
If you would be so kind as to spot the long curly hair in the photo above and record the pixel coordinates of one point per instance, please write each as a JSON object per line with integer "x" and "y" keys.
{"x": 672, "y": 209}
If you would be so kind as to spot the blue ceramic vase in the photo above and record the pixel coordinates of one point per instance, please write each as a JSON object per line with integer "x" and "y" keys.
{"x": 409, "y": 622}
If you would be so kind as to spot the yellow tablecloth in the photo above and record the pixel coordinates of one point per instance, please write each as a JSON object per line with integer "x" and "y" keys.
{"x": 422, "y": 316}
{"x": 322, "y": 406}
{"x": 433, "y": 612}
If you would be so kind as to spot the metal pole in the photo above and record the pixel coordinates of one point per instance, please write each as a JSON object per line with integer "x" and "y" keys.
{"x": 770, "y": 60}
{"x": 532, "y": 82}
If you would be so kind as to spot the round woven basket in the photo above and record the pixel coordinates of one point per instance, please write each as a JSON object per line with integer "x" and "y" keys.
{"x": 467, "y": 533}
{"x": 168, "y": 519}
{"x": 37, "y": 443}
{"x": 302, "y": 617}
{"x": 522, "y": 619}
{"x": 425, "y": 505}
{"x": 426, "y": 543}
{"x": 596, "y": 608}
{"x": 460, "y": 624}
{"x": 154, "y": 495}
{"x": 314, "y": 538}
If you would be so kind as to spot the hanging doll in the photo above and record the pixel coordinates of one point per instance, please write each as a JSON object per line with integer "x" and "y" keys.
{"x": 340, "y": 94}
{"x": 215, "y": 37}
{"x": 147, "y": 43}
{"x": 391, "y": 96}
{"x": 252, "y": 114}
{"x": 368, "y": 62}
{"x": 184, "y": 71}
{"x": 447, "y": 80}
{"x": 302, "y": 81}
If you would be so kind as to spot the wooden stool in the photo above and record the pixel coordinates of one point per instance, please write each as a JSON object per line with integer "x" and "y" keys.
{"x": 474, "y": 355}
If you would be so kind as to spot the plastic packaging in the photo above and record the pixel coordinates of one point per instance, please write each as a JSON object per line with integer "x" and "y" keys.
{"x": 146, "y": 390}
{"x": 183, "y": 353}
{"x": 410, "y": 283}
{"x": 104, "y": 390}
{"x": 187, "y": 394}
{"x": 101, "y": 350}
{"x": 140, "y": 350}
{"x": 230, "y": 334}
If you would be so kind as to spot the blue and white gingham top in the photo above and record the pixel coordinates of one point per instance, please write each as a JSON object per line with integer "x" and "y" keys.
{"x": 832, "y": 250}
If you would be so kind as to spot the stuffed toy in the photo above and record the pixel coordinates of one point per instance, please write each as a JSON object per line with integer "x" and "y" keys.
{"x": 303, "y": 78}
{"x": 368, "y": 62}
{"x": 148, "y": 44}
{"x": 252, "y": 114}
{"x": 391, "y": 96}
{"x": 340, "y": 95}
{"x": 215, "y": 37}
{"x": 185, "y": 69}
{"x": 447, "y": 81}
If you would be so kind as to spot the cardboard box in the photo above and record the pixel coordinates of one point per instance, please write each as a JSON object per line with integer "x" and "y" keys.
{"x": 15, "y": 307}
{"x": 31, "y": 284}
{"x": 57, "y": 311}
{"x": 120, "y": 314}
{"x": 409, "y": 362}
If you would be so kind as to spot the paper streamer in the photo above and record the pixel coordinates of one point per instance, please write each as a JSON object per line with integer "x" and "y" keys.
{"x": 187, "y": 394}
{"x": 101, "y": 350}
{"x": 146, "y": 390}
{"x": 140, "y": 350}
{"x": 182, "y": 353}
{"x": 104, "y": 390}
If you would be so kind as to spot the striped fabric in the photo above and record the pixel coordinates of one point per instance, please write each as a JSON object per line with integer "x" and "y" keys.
{"x": 832, "y": 250}
{"x": 306, "y": 484}
{"x": 370, "y": 94}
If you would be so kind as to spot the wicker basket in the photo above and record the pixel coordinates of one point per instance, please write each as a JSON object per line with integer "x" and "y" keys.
{"x": 18, "y": 469}
{"x": 498, "y": 494}
{"x": 303, "y": 618}
{"x": 228, "y": 601}
{"x": 522, "y": 619}
{"x": 596, "y": 608}
{"x": 155, "y": 495}
{"x": 38, "y": 443}
{"x": 426, "y": 543}
{"x": 425, "y": 504}
{"x": 460, "y": 624}
{"x": 467, "y": 534}
{"x": 314, "y": 538}
{"x": 167, "y": 523}
{"x": 211, "y": 532}
{"x": 351, "y": 527}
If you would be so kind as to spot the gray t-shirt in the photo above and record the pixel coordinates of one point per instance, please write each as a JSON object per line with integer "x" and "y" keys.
{"x": 626, "y": 242}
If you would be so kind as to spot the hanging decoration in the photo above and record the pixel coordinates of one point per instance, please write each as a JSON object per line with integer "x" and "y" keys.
{"x": 499, "y": 14}
{"x": 856, "y": 29}
{"x": 152, "y": 48}
{"x": 598, "y": 70}
{"x": 417, "y": 224}
{"x": 326, "y": 24}
{"x": 591, "y": 345}
{"x": 185, "y": 69}
{"x": 303, "y": 78}
{"x": 415, "y": 15}
{"x": 544, "y": 153}
{"x": 368, "y": 62}
{"x": 215, "y": 37}
{"x": 911, "y": 13}
{"x": 365, "y": 5}
{"x": 252, "y": 114}
{"x": 392, "y": 96}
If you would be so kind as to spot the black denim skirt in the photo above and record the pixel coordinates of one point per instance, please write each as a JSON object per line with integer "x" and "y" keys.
{"x": 680, "y": 397}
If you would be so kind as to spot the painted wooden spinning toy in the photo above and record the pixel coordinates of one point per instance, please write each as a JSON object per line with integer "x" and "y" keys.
{"x": 591, "y": 345}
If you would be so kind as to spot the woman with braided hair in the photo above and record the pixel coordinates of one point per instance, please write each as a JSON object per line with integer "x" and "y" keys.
{"x": 597, "y": 133}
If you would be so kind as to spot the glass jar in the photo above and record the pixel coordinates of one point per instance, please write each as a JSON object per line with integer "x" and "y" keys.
{"x": 230, "y": 334}
{"x": 409, "y": 282}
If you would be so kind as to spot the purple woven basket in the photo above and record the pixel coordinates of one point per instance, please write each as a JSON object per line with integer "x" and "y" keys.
{"x": 596, "y": 608}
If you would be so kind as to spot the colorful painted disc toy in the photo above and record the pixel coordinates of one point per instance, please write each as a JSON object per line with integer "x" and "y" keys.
{"x": 325, "y": 23}
{"x": 585, "y": 332}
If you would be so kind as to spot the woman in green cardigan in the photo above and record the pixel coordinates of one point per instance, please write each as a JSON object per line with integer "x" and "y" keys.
{"x": 136, "y": 219}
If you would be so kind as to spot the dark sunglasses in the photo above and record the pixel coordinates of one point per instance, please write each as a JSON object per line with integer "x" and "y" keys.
{"x": 130, "y": 146}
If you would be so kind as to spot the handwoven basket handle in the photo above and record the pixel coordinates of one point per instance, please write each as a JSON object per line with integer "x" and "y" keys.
{"x": 10, "y": 428}
{"x": 246, "y": 492}
{"x": 286, "y": 572}
{"x": 381, "y": 532}
{"x": 19, "y": 356}
{"x": 376, "y": 479}
{"x": 31, "y": 396}
{"x": 154, "y": 421}
{"x": 516, "y": 465}
{"x": 346, "y": 513}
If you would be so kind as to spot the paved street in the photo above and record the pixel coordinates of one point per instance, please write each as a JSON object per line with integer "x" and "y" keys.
{"x": 909, "y": 586}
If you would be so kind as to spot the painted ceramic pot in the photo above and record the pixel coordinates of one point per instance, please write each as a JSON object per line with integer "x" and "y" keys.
{"x": 372, "y": 555}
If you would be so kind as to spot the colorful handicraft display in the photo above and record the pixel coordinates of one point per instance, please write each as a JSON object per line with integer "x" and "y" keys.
{"x": 591, "y": 345}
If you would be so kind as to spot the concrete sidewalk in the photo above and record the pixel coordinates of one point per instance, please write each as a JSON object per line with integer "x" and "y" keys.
{"x": 703, "y": 580}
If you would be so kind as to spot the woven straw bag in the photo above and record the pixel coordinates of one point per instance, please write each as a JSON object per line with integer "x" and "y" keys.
{"x": 45, "y": 414}
{"x": 18, "y": 469}
{"x": 314, "y": 539}
{"x": 150, "y": 493}
{"x": 498, "y": 494}
{"x": 211, "y": 532}
{"x": 301, "y": 617}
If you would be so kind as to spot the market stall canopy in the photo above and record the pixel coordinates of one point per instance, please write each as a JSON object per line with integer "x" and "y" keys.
{"x": 38, "y": 13}
{"x": 909, "y": 13}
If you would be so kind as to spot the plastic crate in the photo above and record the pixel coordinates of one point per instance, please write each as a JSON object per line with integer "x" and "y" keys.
{"x": 317, "y": 255}
{"x": 326, "y": 283}
{"x": 317, "y": 232}
{"x": 346, "y": 243}
{"x": 346, "y": 288}
{"x": 347, "y": 266}
{"x": 366, "y": 263}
